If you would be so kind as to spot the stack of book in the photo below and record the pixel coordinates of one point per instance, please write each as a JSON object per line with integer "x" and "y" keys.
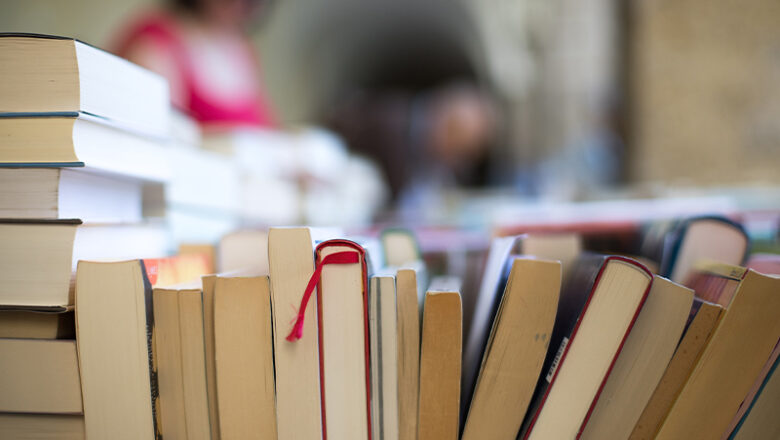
{"x": 81, "y": 133}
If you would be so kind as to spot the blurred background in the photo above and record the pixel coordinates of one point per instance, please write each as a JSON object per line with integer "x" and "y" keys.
{"x": 469, "y": 111}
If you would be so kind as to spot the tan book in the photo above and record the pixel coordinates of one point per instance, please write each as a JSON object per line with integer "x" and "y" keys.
{"x": 32, "y": 324}
{"x": 167, "y": 353}
{"x": 518, "y": 343}
{"x": 41, "y": 427}
{"x": 48, "y": 74}
{"x": 400, "y": 247}
{"x": 642, "y": 361}
{"x": 298, "y": 405}
{"x": 342, "y": 296}
{"x": 761, "y": 421}
{"x": 113, "y": 327}
{"x": 758, "y": 386}
{"x": 729, "y": 366}
{"x": 408, "y": 352}
{"x": 440, "y": 366}
{"x": 384, "y": 357}
{"x": 244, "y": 358}
{"x": 561, "y": 246}
{"x": 39, "y": 376}
{"x": 705, "y": 318}
{"x": 209, "y": 283}
{"x": 193, "y": 360}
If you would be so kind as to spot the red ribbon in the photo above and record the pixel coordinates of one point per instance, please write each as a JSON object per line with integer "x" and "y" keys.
{"x": 347, "y": 257}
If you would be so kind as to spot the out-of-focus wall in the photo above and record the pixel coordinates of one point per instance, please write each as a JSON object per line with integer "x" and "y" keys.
{"x": 706, "y": 89}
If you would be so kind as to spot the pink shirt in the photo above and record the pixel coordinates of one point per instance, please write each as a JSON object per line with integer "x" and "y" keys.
{"x": 218, "y": 80}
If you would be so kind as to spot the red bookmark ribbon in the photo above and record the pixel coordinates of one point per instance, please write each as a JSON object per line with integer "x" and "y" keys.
{"x": 346, "y": 257}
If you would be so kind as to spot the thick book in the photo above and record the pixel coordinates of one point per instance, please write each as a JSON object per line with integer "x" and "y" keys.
{"x": 114, "y": 323}
{"x": 34, "y": 324}
{"x": 408, "y": 309}
{"x": 41, "y": 426}
{"x": 384, "y": 357}
{"x": 440, "y": 366}
{"x": 63, "y": 193}
{"x": 704, "y": 317}
{"x": 342, "y": 308}
{"x": 728, "y": 366}
{"x": 597, "y": 309}
{"x": 518, "y": 342}
{"x": 39, "y": 376}
{"x": 50, "y": 74}
{"x": 296, "y": 363}
{"x": 642, "y": 361}
{"x": 244, "y": 358}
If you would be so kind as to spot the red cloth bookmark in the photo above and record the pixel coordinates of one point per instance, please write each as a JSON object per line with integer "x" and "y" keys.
{"x": 346, "y": 257}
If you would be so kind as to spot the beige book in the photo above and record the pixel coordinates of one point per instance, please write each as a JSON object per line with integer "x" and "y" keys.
{"x": 729, "y": 366}
{"x": 167, "y": 353}
{"x": 342, "y": 295}
{"x": 408, "y": 338}
{"x": 209, "y": 285}
{"x": 41, "y": 427}
{"x": 39, "y": 376}
{"x": 561, "y": 246}
{"x": 193, "y": 361}
{"x": 384, "y": 358}
{"x": 642, "y": 361}
{"x": 518, "y": 343}
{"x": 291, "y": 264}
{"x": 440, "y": 366}
{"x": 697, "y": 335}
{"x": 761, "y": 422}
{"x": 113, "y": 327}
{"x": 31, "y": 324}
{"x": 244, "y": 358}
{"x": 400, "y": 247}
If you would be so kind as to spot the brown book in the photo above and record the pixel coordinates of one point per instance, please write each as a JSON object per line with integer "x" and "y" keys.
{"x": 705, "y": 318}
{"x": 41, "y": 427}
{"x": 193, "y": 361}
{"x": 642, "y": 361}
{"x": 167, "y": 353}
{"x": 729, "y": 366}
{"x": 39, "y": 376}
{"x": 209, "y": 285}
{"x": 408, "y": 309}
{"x": 518, "y": 343}
{"x": 298, "y": 405}
{"x": 384, "y": 357}
{"x": 440, "y": 366}
{"x": 33, "y": 324}
{"x": 114, "y": 329}
{"x": 244, "y": 356}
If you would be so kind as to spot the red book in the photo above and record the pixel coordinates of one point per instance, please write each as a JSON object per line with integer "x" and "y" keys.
{"x": 599, "y": 303}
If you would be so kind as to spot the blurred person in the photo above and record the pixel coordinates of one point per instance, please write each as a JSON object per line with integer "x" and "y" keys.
{"x": 202, "y": 48}
{"x": 424, "y": 143}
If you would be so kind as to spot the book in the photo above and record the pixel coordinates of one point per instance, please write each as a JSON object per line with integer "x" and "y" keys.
{"x": 761, "y": 421}
{"x": 114, "y": 330}
{"x": 707, "y": 402}
{"x": 39, "y": 376}
{"x": 193, "y": 361}
{"x": 562, "y": 246}
{"x": 400, "y": 247}
{"x": 693, "y": 239}
{"x": 518, "y": 342}
{"x": 440, "y": 366}
{"x": 32, "y": 324}
{"x": 384, "y": 357}
{"x": 342, "y": 306}
{"x": 244, "y": 250}
{"x": 715, "y": 282}
{"x": 298, "y": 405}
{"x": 209, "y": 284}
{"x": 703, "y": 319}
{"x": 244, "y": 358}
{"x": 599, "y": 303}
{"x": 38, "y": 257}
{"x": 167, "y": 356}
{"x": 41, "y": 426}
{"x": 642, "y": 361}
{"x": 49, "y": 74}
{"x": 63, "y": 193}
{"x": 408, "y": 309}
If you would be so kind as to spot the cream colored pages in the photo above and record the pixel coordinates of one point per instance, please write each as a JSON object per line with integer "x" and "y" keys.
{"x": 384, "y": 358}
{"x": 193, "y": 359}
{"x": 209, "y": 284}
{"x": 408, "y": 353}
{"x": 291, "y": 263}
{"x": 167, "y": 341}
